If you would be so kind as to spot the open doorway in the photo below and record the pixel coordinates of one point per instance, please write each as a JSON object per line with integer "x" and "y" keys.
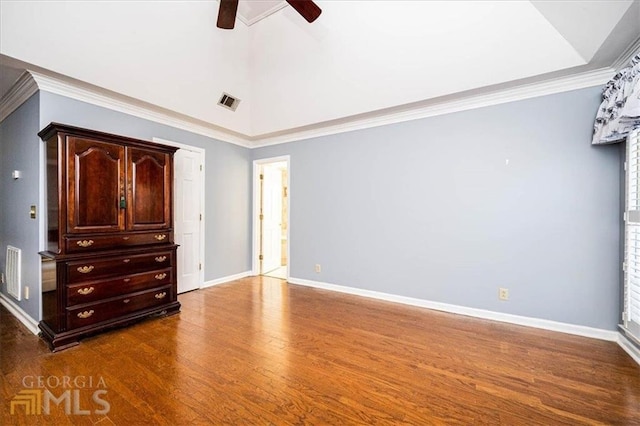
{"x": 271, "y": 217}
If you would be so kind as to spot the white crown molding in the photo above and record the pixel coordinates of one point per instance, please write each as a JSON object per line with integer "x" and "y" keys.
{"x": 98, "y": 98}
{"x": 20, "y": 314}
{"x": 561, "y": 327}
{"x": 19, "y": 93}
{"x": 27, "y": 85}
{"x": 527, "y": 91}
{"x": 625, "y": 58}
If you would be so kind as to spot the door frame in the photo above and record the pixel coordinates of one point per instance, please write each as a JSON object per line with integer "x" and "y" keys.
{"x": 255, "y": 252}
{"x": 201, "y": 152}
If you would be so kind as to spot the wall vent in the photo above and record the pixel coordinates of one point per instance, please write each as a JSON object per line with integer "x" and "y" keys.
{"x": 14, "y": 268}
{"x": 228, "y": 101}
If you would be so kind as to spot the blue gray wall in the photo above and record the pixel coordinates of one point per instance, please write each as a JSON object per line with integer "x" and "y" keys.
{"x": 19, "y": 150}
{"x": 227, "y": 180}
{"x": 426, "y": 209}
{"x": 227, "y": 183}
{"x": 429, "y": 209}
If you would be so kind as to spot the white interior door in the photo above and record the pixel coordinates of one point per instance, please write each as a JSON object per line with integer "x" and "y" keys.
{"x": 272, "y": 217}
{"x": 188, "y": 217}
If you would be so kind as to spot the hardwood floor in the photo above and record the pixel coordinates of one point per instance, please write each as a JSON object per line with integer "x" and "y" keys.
{"x": 258, "y": 351}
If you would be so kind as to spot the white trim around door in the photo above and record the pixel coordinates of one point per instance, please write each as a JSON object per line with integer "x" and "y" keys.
{"x": 255, "y": 254}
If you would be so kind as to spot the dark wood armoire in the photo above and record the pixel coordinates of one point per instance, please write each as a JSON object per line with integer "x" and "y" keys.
{"x": 110, "y": 257}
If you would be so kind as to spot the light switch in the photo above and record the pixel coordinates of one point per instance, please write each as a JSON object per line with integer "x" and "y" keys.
{"x": 32, "y": 212}
{"x": 16, "y": 174}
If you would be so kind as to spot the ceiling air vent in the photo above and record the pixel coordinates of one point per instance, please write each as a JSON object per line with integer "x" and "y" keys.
{"x": 228, "y": 101}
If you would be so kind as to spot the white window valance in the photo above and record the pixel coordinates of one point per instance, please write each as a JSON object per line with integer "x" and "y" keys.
{"x": 619, "y": 112}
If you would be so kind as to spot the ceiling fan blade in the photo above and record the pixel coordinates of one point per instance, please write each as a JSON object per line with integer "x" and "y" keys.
{"x": 227, "y": 14}
{"x": 307, "y": 8}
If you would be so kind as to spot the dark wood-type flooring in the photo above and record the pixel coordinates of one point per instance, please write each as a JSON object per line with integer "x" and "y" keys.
{"x": 258, "y": 351}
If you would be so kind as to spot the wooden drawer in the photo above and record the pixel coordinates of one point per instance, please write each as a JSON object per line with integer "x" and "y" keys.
{"x": 114, "y": 266}
{"x": 84, "y": 315}
{"x": 98, "y": 290}
{"x": 99, "y": 242}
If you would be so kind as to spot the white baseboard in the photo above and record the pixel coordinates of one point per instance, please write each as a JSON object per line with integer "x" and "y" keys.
{"x": 20, "y": 314}
{"x": 630, "y": 348}
{"x": 226, "y": 279}
{"x": 561, "y": 327}
{"x": 620, "y": 338}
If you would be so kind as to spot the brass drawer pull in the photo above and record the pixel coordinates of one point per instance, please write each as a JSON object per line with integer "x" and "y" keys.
{"x": 126, "y": 280}
{"x": 85, "y": 291}
{"x": 125, "y": 238}
{"x": 160, "y": 237}
{"x": 161, "y": 259}
{"x": 161, "y": 276}
{"x": 161, "y": 295}
{"x": 126, "y": 260}
{"x": 127, "y": 300}
{"x": 84, "y": 243}
{"x": 85, "y": 314}
{"x": 85, "y": 269}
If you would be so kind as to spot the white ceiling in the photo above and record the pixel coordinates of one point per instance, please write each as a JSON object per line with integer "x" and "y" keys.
{"x": 251, "y": 12}
{"x": 360, "y": 57}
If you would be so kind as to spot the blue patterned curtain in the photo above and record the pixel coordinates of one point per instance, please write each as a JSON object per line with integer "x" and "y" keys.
{"x": 619, "y": 112}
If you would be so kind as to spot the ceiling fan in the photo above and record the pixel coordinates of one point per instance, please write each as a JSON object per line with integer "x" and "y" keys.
{"x": 228, "y": 9}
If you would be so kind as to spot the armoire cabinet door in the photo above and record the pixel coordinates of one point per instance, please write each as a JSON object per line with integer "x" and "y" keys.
{"x": 149, "y": 192}
{"x": 95, "y": 186}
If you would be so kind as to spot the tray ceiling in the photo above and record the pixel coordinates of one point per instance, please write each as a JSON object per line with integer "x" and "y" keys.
{"x": 359, "y": 59}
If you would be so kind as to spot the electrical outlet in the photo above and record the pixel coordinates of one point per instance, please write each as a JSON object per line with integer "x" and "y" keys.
{"x": 318, "y": 268}
{"x": 26, "y": 292}
{"x": 503, "y": 294}
{"x": 1, "y": 277}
